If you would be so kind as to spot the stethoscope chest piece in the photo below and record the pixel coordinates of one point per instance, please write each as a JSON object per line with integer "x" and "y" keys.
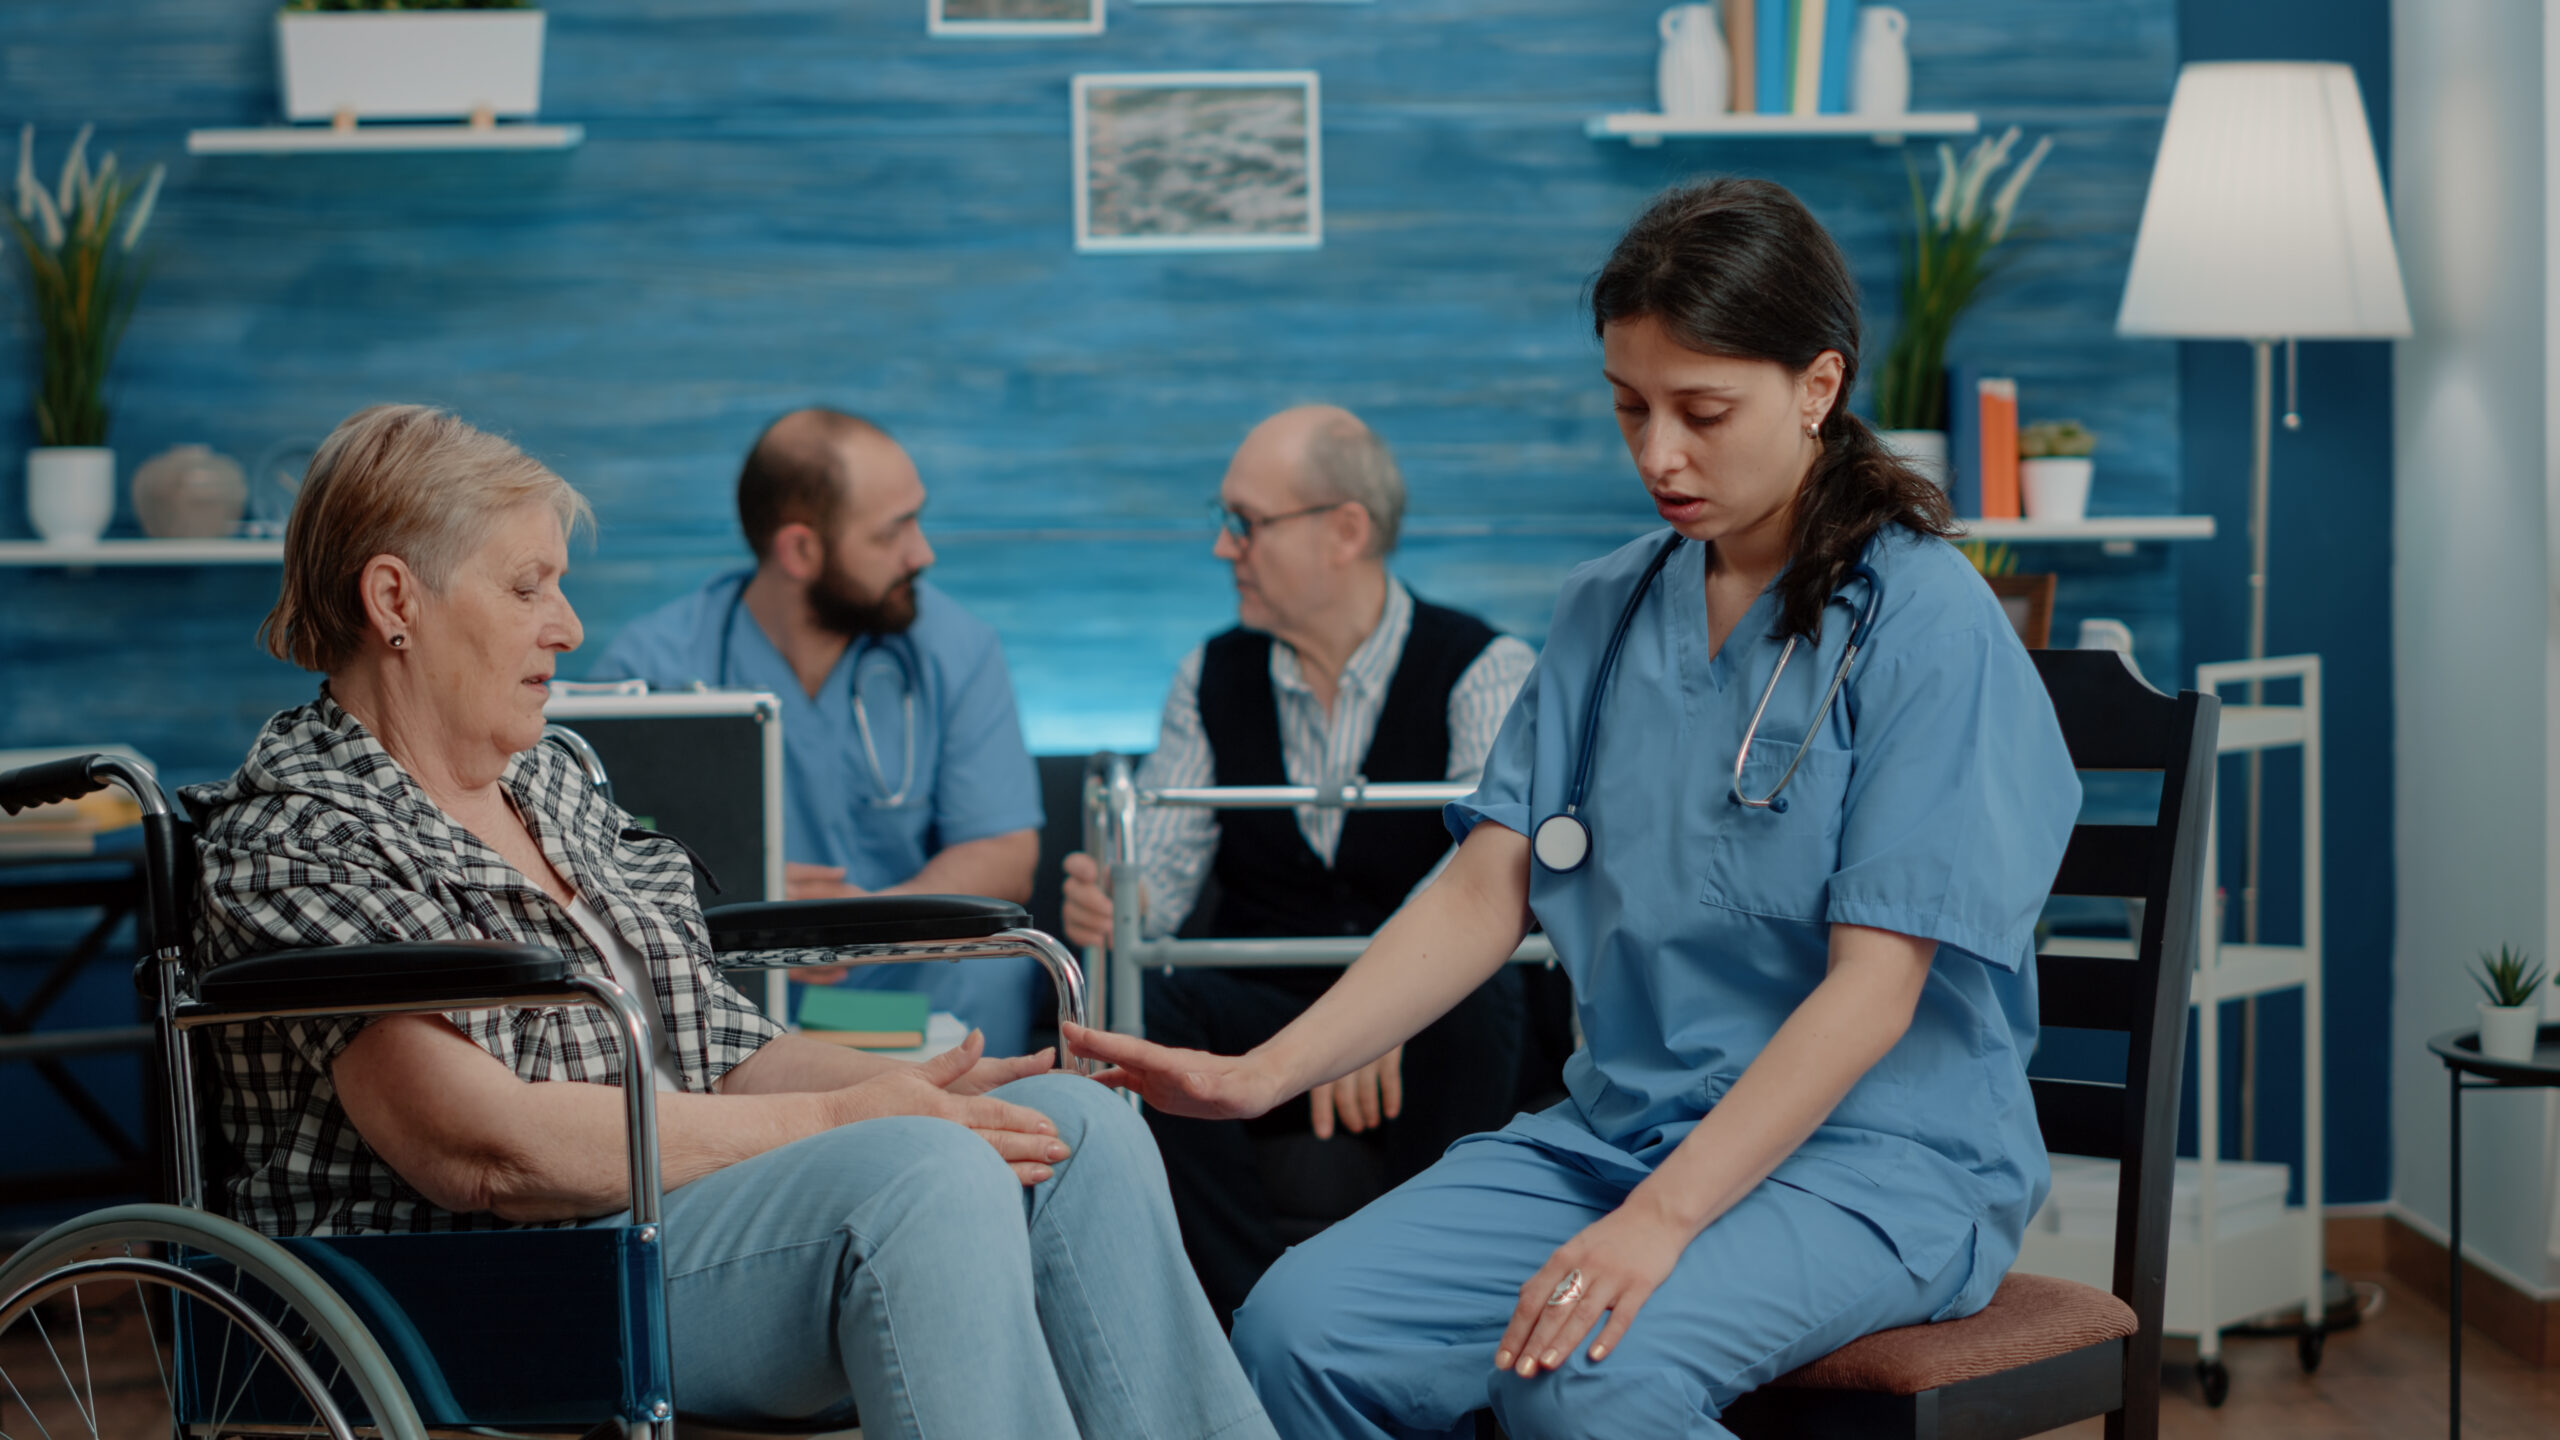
{"x": 1562, "y": 843}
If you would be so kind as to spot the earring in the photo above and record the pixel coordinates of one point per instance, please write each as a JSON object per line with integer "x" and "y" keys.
{"x": 397, "y": 641}
{"x": 1812, "y": 429}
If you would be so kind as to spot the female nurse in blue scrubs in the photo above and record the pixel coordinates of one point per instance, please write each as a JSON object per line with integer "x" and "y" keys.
{"x": 1799, "y": 939}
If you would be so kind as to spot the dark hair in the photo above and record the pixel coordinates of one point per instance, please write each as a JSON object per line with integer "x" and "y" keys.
{"x": 796, "y": 474}
{"x": 1740, "y": 268}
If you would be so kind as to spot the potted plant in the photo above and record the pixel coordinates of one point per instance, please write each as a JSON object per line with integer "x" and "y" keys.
{"x": 77, "y": 242}
{"x": 1954, "y": 238}
{"x": 349, "y": 60}
{"x": 2511, "y": 1018}
{"x": 2054, "y": 466}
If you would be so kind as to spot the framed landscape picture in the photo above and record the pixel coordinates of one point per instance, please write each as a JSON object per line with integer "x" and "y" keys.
{"x": 1199, "y": 160}
{"x": 1006, "y": 19}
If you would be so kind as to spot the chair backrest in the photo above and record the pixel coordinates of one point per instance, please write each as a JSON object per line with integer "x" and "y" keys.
{"x": 2111, "y": 720}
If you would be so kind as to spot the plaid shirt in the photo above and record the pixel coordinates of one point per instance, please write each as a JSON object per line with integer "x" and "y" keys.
{"x": 322, "y": 839}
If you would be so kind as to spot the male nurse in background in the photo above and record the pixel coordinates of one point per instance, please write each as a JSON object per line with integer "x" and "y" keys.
{"x": 902, "y": 754}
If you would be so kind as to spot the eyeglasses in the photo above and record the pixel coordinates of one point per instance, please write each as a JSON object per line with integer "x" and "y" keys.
{"x": 1244, "y": 527}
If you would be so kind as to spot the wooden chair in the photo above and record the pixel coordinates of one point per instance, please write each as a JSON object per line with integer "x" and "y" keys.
{"x": 2028, "y": 602}
{"x": 2047, "y": 1352}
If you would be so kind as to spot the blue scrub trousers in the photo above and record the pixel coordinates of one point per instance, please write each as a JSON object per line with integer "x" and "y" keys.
{"x": 897, "y": 1264}
{"x": 1385, "y": 1325}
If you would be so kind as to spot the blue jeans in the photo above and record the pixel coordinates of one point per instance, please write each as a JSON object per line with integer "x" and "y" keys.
{"x": 899, "y": 1266}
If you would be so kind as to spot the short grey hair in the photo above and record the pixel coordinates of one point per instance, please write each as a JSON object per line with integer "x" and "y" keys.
{"x": 1346, "y": 462}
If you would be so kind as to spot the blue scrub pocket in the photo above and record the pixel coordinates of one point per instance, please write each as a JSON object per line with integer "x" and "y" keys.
{"x": 1762, "y": 862}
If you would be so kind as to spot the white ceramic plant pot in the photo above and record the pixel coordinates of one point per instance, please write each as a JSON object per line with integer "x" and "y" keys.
{"x": 71, "y": 492}
{"x": 1923, "y": 450}
{"x": 2057, "y": 487}
{"x": 439, "y": 65}
{"x": 2507, "y": 1031}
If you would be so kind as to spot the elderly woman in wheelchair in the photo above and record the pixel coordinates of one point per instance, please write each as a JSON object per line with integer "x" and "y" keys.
{"x": 970, "y": 1246}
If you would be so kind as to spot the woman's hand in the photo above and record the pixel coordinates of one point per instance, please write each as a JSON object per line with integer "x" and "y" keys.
{"x": 1022, "y": 1135}
{"x": 1614, "y": 1265}
{"x": 989, "y": 1072}
{"x": 1179, "y": 1082}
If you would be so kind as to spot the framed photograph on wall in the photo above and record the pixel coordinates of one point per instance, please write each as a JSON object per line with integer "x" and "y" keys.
{"x": 1199, "y": 160}
{"x": 1012, "y": 19}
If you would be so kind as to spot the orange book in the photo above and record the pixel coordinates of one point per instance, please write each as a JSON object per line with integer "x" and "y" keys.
{"x": 1742, "y": 44}
{"x": 1999, "y": 402}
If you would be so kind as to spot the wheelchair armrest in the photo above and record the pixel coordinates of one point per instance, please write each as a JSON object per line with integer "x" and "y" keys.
{"x": 425, "y": 973}
{"x": 863, "y": 920}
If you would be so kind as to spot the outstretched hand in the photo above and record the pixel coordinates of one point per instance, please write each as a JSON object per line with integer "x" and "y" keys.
{"x": 1178, "y": 1082}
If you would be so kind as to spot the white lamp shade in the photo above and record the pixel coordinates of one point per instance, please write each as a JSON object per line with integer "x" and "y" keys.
{"x": 2265, "y": 219}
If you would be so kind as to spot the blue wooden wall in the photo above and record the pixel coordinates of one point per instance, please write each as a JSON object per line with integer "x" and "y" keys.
{"x": 809, "y": 200}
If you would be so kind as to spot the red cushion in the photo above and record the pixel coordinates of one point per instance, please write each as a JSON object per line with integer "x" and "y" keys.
{"x": 2033, "y": 1317}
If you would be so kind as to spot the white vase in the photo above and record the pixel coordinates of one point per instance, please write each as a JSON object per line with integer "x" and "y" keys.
{"x": 71, "y": 492}
{"x": 1880, "y": 62}
{"x": 2507, "y": 1032}
{"x": 1922, "y": 450}
{"x": 2057, "y": 486}
{"x": 1694, "y": 76}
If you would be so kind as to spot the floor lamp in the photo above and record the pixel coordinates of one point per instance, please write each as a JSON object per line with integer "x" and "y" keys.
{"x": 2265, "y": 223}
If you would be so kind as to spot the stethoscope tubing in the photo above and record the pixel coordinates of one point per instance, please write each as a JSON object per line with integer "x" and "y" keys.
{"x": 883, "y": 797}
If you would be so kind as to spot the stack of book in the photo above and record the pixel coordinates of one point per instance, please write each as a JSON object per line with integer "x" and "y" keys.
{"x": 1982, "y": 444}
{"x": 1790, "y": 57}
{"x": 865, "y": 1019}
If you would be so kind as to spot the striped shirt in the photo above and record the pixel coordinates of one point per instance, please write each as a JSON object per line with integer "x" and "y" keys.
{"x": 1176, "y": 845}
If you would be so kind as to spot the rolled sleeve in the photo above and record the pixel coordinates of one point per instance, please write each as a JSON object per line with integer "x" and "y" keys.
{"x": 1961, "y": 798}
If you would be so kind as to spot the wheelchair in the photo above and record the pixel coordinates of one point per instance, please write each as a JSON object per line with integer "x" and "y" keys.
{"x": 173, "y": 1320}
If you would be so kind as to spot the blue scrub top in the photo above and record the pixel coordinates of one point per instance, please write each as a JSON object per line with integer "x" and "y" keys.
{"x": 1935, "y": 802}
{"x": 973, "y": 778}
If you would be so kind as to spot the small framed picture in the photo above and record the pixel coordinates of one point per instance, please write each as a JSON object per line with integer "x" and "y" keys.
{"x": 1199, "y": 160}
{"x": 1012, "y": 19}
{"x": 1252, "y": 2}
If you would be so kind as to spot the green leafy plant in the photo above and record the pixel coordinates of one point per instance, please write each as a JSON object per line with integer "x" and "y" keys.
{"x": 2057, "y": 439}
{"x": 2510, "y": 977}
{"x": 311, "y": 6}
{"x": 77, "y": 240}
{"x": 1954, "y": 238}
{"x": 1989, "y": 560}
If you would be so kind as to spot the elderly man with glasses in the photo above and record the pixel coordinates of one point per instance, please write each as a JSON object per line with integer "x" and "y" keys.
{"x": 1334, "y": 671}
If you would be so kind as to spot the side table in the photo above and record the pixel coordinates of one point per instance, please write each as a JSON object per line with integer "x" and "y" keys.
{"x": 2471, "y": 1070}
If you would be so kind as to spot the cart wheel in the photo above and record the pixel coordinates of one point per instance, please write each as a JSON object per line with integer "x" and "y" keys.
{"x": 2307, "y": 1347}
{"x": 2215, "y": 1377}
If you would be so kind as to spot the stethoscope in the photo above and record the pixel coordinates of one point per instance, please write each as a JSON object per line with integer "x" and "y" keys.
{"x": 1562, "y": 842}
{"x": 883, "y": 798}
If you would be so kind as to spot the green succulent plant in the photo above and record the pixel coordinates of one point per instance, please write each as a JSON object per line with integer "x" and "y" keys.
{"x": 2510, "y": 977}
{"x": 2057, "y": 439}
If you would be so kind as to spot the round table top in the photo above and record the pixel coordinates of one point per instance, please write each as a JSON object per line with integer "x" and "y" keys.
{"x": 2460, "y": 1050}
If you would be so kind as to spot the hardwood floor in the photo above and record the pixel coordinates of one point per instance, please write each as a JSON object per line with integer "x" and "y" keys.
{"x": 2385, "y": 1378}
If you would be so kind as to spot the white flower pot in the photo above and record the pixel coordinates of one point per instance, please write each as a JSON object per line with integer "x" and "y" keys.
{"x": 1922, "y": 450}
{"x": 71, "y": 492}
{"x": 438, "y": 65}
{"x": 2056, "y": 486}
{"x": 2507, "y": 1031}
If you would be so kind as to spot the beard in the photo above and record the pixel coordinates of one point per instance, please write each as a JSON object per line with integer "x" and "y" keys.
{"x": 838, "y": 603}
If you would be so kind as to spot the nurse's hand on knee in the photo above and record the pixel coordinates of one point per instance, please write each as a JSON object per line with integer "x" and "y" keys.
{"x": 1178, "y": 1082}
{"x": 1611, "y": 1268}
{"x": 1023, "y": 1136}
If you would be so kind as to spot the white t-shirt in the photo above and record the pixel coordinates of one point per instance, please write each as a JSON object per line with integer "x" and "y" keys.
{"x": 633, "y": 976}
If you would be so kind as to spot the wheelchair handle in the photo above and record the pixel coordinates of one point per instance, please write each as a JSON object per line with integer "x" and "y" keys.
{"x": 48, "y": 783}
{"x": 69, "y": 779}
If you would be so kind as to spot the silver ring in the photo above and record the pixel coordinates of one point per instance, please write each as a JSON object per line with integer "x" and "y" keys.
{"x": 1568, "y": 1290}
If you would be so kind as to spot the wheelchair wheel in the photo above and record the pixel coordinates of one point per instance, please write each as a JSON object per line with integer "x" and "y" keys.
{"x": 151, "y": 1322}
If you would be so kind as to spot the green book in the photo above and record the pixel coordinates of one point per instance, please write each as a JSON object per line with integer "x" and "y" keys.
{"x": 868, "y": 1019}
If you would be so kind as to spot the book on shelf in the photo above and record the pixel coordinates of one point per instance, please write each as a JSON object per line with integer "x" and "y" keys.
{"x": 1999, "y": 401}
{"x": 1839, "y": 35}
{"x": 1804, "y": 55}
{"x": 1772, "y": 22}
{"x": 865, "y": 1019}
{"x": 1741, "y": 47}
{"x": 1964, "y": 441}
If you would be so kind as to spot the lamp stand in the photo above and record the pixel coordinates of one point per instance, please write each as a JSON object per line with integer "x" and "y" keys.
{"x": 2262, "y": 355}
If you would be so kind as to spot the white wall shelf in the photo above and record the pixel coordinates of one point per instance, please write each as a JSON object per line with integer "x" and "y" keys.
{"x": 142, "y": 552}
{"x": 375, "y": 139}
{"x": 2110, "y": 530}
{"x": 1644, "y": 129}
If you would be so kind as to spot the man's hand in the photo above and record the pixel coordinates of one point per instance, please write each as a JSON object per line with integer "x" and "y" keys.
{"x": 1022, "y": 1135}
{"x": 817, "y": 882}
{"x": 1365, "y": 1099}
{"x": 1088, "y": 908}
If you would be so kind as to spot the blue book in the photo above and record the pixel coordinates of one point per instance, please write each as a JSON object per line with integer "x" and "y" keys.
{"x": 1839, "y": 32}
{"x": 1964, "y": 440}
{"x": 1772, "y": 77}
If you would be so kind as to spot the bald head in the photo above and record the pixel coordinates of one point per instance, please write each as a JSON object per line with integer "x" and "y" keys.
{"x": 802, "y": 470}
{"x": 1336, "y": 460}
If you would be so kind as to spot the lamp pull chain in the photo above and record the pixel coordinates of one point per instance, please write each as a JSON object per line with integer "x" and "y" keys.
{"x": 2292, "y": 388}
